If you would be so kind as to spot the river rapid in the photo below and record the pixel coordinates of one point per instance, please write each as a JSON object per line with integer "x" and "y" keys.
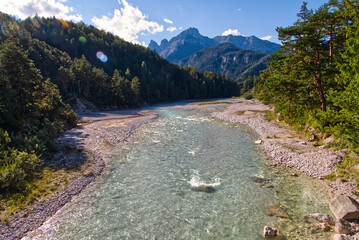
{"x": 146, "y": 191}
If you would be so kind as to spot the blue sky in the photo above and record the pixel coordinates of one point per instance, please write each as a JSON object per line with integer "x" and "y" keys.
{"x": 140, "y": 21}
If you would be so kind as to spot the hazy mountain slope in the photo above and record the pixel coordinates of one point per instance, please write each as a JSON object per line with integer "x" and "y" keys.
{"x": 191, "y": 41}
{"x": 229, "y": 60}
{"x": 249, "y": 43}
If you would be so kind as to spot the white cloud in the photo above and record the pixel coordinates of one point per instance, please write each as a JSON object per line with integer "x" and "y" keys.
{"x": 44, "y": 8}
{"x": 180, "y": 8}
{"x": 171, "y": 29}
{"x": 168, "y": 21}
{"x": 239, "y": 9}
{"x": 127, "y": 23}
{"x": 233, "y": 32}
{"x": 266, "y": 37}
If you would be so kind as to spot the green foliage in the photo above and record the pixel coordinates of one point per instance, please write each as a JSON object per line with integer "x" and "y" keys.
{"x": 155, "y": 79}
{"x": 331, "y": 177}
{"x": 314, "y": 80}
{"x": 32, "y": 115}
{"x": 248, "y": 95}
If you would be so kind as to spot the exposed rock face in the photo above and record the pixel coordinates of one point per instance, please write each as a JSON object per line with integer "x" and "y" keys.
{"x": 183, "y": 45}
{"x": 190, "y": 41}
{"x": 323, "y": 218}
{"x": 235, "y": 56}
{"x": 344, "y": 207}
{"x": 250, "y": 43}
{"x": 227, "y": 59}
{"x": 203, "y": 188}
{"x": 270, "y": 232}
{"x": 276, "y": 210}
{"x": 343, "y": 227}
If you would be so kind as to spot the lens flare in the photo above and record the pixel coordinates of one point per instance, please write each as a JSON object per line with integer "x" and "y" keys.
{"x": 82, "y": 39}
{"x": 100, "y": 55}
{"x": 64, "y": 23}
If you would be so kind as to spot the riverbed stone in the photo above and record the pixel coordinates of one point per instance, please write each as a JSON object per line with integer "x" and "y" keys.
{"x": 265, "y": 185}
{"x": 258, "y": 142}
{"x": 345, "y": 207}
{"x": 341, "y": 237}
{"x": 257, "y": 179}
{"x": 343, "y": 227}
{"x": 323, "y": 218}
{"x": 276, "y": 210}
{"x": 203, "y": 188}
{"x": 270, "y": 232}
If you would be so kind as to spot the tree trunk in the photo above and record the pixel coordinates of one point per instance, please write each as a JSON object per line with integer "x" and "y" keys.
{"x": 320, "y": 91}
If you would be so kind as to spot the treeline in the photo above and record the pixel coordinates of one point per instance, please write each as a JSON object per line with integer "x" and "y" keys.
{"x": 32, "y": 114}
{"x": 68, "y": 54}
{"x": 314, "y": 79}
{"x": 47, "y": 64}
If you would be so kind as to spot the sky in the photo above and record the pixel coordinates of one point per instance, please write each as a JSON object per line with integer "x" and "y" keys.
{"x": 140, "y": 21}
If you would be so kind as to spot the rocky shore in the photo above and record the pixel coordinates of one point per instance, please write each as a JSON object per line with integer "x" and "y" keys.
{"x": 282, "y": 145}
{"x": 97, "y": 134}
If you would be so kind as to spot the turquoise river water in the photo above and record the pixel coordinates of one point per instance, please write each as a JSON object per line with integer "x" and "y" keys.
{"x": 145, "y": 193}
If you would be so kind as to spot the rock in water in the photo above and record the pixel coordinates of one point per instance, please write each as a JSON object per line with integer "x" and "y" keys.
{"x": 270, "y": 232}
{"x": 323, "y": 226}
{"x": 203, "y": 188}
{"x": 323, "y": 218}
{"x": 345, "y": 207}
{"x": 341, "y": 237}
{"x": 276, "y": 210}
{"x": 343, "y": 227}
{"x": 260, "y": 179}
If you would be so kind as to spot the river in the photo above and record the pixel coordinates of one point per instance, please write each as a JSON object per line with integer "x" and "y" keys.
{"x": 145, "y": 192}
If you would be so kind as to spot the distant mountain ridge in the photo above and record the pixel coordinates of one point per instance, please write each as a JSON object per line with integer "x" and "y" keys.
{"x": 191, "y": 41}
{"x": 227, "y": 59}
{"x": 181, "y": 46}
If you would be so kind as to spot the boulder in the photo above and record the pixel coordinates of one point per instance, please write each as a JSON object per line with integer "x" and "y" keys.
{"x": 345, "y": 207}
{"x": 341, "y": 237}
{"x": 203, "y": 188}
{"x": 270, "y": 232}
{"x": 343, "y": 227}
{"x": 356, "y": 236}
{"x": 323, "y": 226}
{"x": 323, "y": 218}
{"x": 276, "y": 210}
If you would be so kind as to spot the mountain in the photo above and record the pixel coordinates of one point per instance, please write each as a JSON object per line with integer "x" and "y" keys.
{"x": 183, "y": 45}
{"x": 249, "y": 43}
{"x": 227, "y": 59}
{"x": 191, "y": 41}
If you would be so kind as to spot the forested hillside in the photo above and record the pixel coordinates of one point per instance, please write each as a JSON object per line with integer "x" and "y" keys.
{"x": 46, "y": 64}
{"x": 314, "y": 80}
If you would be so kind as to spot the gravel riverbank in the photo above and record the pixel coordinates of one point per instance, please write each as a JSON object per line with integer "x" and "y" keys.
{"x": 283, "y": 146}
{"x": 97, "y": 133}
